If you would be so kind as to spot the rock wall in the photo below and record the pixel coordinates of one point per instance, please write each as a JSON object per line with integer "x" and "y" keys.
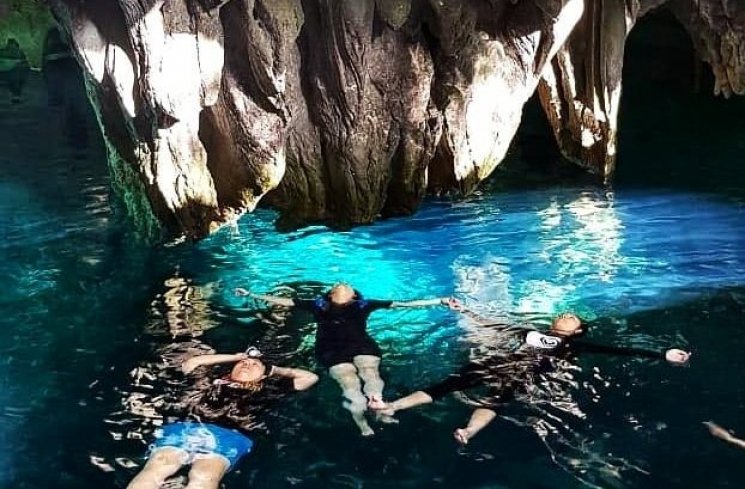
{"x": 581, "y": 90}
{"x": 26, "y": 22}
{"x": 343, "y": 111}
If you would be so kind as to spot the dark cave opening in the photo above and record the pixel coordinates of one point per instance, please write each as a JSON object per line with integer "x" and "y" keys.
{"x": 673, "y": 131}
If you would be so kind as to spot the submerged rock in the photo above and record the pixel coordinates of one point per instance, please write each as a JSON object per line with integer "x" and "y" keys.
{"x": 344, "y": 111}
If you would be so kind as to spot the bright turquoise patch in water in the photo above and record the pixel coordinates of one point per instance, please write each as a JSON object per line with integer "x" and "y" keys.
{"x": 83, "y": 306}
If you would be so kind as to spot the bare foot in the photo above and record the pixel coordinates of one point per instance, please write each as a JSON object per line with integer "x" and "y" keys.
{"x": 366, "y": 431}
{"x": 385, "y": 417}
{"x": 380, "y": 407}
{"x": 717, "y": 430}
{"x": 462, "y": 436}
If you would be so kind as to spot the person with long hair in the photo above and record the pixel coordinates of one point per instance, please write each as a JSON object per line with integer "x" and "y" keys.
{"x": 212, "y": 433}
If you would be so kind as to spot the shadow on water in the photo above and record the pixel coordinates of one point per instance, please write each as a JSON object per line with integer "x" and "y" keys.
{"x": 71, "y": 278}
{"x": 87, "y": 316}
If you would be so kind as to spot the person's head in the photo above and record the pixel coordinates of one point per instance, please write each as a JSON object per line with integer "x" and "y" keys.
{"x": 248, "y": 370}
{"x": 566, "y": 324}
{"x": 341, "y": 294}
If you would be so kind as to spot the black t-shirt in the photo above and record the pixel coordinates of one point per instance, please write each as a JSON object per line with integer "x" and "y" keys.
{"x": 341, "y": 323}
{"x": 511, "y": 372}
{"x": 342, "y": 330}
{"x": 566, "y": 347}
{"x": 217, "y": 400}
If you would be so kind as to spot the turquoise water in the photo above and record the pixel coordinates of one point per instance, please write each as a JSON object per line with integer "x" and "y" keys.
{"x": 87, "y": 314}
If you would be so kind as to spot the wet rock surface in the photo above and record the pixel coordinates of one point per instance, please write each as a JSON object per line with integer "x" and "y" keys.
{"x": 343, "y": 112}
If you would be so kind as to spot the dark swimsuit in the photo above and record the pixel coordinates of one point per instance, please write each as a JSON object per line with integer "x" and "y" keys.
{"x": 505, "y": 381}
{"x": 342, "y": 330}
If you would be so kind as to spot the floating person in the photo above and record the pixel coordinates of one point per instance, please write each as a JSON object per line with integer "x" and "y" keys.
{"x": 343, "y": 345}
{"x": 724, "y": 434}
{"x": 508, "y": 374}
{"x": 214, "y": 435}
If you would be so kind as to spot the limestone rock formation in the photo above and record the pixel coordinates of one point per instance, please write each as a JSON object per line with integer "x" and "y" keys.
{"x": 341, "y": 111}
{"x": 26, "y": 22}
{"x": 581, "y": 91}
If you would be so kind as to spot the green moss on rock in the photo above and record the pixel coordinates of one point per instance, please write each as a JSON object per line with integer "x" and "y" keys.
{"x": 26, "y": 21}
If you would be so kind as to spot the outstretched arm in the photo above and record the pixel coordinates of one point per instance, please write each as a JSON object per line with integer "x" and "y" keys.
{"x": 202, "y": 360}
{"x": 673, "y": 355}
{"x": 271, "y": 299}
{"x": 451, "y": 302}
{"x": 407, "y": 402}
{"x": 723, "y": 434}
{"x": 481, "y": 320}
{"x": 301, "y": 379}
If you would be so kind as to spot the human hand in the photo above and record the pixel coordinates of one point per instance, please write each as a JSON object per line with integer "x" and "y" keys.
{"x": 453, "y": 303}
{"x": 462, "y": 436}
{"x": 718, "y": 431}
{"x": 677, "y": 357}
{"x": 377, "y": 404}
{"x": 241, "y": 292}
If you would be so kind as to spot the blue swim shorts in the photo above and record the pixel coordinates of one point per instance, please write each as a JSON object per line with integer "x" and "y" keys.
{"x": 203, "y": 439}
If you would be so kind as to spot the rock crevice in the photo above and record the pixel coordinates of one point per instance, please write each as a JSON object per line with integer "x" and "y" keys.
{"x": 343, "y": 111}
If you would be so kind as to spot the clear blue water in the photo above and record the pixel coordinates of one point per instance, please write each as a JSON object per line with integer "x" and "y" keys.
{"x": 654, "y": 261}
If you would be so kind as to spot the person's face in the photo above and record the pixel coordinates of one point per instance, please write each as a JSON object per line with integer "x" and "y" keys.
{"x": 248, "y": 370}
{"x": 566, "y": 325}
{"x": 341, "y": 294}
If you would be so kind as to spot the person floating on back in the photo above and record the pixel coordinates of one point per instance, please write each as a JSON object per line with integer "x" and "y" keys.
{"x": 213, "y": 436}
{"x": 495, "y": 372}
{"x": 343, "y": 345}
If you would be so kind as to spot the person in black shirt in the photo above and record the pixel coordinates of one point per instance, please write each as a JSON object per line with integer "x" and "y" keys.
{"x": 343, "y": 345}
{"x": 213, "y": 433}
{"x": 496, "y": 372}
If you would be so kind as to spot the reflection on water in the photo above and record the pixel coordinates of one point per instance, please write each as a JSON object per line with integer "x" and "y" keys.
{"x": 600, "y": 253}
{"x": 182, "y": 310}
{"x": 93, "y": 325}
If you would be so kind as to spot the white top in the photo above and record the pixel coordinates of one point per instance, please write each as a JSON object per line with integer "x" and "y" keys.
{"x": 543, "y": 341}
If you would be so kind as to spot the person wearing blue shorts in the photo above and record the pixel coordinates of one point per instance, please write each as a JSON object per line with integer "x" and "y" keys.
{"x": 214, "y": 435}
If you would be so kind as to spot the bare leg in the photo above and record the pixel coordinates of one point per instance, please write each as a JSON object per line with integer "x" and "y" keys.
{"x": 412, "y": 400}
{"x": 163, "y": 463}
{"x": 723, "y": 434}
{"x": 479, "y": 419}
{"x": 345, "y": 374}
{"x": 207, "y": 472}
{"x": 368, "y": 369}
